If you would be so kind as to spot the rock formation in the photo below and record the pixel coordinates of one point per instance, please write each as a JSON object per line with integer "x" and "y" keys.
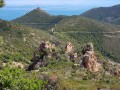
{"x": 40, "y": 55}
{"x": 69, "y": 48}
{"x": 89, "y": 60}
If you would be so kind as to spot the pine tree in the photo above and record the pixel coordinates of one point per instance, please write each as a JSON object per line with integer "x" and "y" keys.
{"x": 1, "y": 3}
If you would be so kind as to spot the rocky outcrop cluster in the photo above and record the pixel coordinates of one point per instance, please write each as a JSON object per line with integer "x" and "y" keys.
{"x": 89, "y": 60}
{"x": 42, "y": 54}
{"x": 46, "y": 51}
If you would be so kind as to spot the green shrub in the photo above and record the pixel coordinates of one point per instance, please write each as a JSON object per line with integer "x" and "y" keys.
{"x": 18, "y": 79}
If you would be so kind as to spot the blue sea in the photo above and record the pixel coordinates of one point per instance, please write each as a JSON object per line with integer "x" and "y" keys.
{"x": 10, "y": 13}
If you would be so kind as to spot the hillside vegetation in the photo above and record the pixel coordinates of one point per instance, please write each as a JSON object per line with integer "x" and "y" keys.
{"x": 104, "y": 36}
{"x": 39, "y": 19}
{"x": 17, "y": 42}
{"x": 78, "y": 30}
{"x": 105, "y": 14}
{"x": 74, "y": 53}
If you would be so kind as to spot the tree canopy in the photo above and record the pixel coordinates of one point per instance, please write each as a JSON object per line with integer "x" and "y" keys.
{"x": 1, "y": 3}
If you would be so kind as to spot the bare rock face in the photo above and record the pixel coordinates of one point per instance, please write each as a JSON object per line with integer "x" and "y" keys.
{"x": 40, "y": 55}
{"x": 70, "y": 54}
{"x": 89, "y": 60}
{"x": 44, "y": 52}
{"x": 69, "y": 47}
{"x": 88, "y": 47}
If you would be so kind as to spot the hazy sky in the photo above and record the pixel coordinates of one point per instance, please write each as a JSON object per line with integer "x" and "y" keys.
{"x": 17, "y": 8}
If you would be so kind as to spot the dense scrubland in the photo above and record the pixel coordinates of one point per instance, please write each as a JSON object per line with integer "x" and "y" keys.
{"x": 43, "y": 52}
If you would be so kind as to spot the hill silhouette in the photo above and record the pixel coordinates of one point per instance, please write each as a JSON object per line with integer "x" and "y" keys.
{"x": 105, "y": 14}
{"x": 39, "y": 19}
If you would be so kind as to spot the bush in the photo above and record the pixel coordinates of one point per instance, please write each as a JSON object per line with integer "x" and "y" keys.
{"x": 18, "y": 79}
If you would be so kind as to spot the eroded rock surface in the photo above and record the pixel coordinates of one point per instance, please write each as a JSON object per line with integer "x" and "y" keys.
{"x": 89, "y": 60}
{"x": 69, "y": 47}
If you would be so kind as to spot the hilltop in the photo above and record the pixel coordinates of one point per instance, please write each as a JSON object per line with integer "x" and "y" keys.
{"x": 39, "y": 19}
{"x": 105, "y": 14}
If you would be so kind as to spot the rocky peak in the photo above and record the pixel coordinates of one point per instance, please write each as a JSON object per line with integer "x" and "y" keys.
{"x": 40, "y": 10}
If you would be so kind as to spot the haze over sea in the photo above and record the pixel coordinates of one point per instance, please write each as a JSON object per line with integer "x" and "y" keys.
{"x": 16, "y": 8}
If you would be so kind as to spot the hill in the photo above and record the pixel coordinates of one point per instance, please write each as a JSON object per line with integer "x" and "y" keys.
{"x": 54, "y": 63}
{"x": 104, "y": 36}
{"x": 105, "y": 33}
{"x": 105, "y": 14}
{"x": 39, "y": 19}
{"x": 17, "y": 42}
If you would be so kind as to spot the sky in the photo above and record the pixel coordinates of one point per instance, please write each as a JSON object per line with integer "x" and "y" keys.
{"x": 16, "y": 8}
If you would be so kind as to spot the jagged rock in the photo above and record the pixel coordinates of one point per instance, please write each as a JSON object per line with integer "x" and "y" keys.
{"x": 69, "y": 47}
{"x": 89, "y": 60}
{"x": 41, "y": 54}
{"x": 69, "y": 52}
{"x": 88, "y": 47}
{"x": 44, "y": 46}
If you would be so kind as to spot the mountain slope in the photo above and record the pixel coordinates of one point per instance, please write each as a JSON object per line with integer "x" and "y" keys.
{"x": 39, "y": 19}
{"x": 106, "y": 14}
{"x": 104, "y": 36}
{"x": 17, "y": 42}
{"x": 77, "y": 29}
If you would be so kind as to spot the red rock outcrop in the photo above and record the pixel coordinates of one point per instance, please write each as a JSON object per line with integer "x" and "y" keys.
{"x": 40, "y": 54}
{"x": 89, "y": 60}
